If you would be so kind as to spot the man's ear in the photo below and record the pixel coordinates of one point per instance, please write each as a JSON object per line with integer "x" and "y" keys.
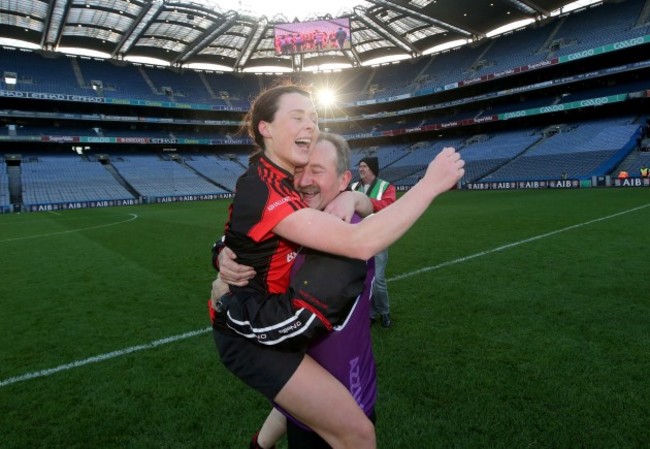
{"x": 263, "y": 128}
{"x": 344, "y": 180}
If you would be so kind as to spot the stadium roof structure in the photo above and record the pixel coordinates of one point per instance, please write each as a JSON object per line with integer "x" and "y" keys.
{"x": 193, "y": 34}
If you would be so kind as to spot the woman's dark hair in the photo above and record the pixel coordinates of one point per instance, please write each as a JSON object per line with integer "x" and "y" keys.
{"x": 264, "y": 108}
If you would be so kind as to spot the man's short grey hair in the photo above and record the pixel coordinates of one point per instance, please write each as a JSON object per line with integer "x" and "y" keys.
{"x": 342, "y": 150}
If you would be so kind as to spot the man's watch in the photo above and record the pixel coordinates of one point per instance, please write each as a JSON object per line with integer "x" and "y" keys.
{"x": 216, "y": 249}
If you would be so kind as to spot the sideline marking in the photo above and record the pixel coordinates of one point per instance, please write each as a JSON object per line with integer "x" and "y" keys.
{"x": 133, "y": 217}
{"x": 101, "y": 357}
{"x": 163, "y": 341}
{"x": 512, "y": 245}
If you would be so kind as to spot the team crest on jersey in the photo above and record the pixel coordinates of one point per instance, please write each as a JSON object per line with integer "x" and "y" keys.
{"x": 292, "y": 255}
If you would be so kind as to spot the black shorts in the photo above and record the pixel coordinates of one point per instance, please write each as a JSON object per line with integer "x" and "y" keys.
{"x": 262, "y": 368}
{"x": 300, "y": 438}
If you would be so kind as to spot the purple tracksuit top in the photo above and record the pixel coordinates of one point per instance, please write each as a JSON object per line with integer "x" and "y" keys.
{"x": 346, "y": 352}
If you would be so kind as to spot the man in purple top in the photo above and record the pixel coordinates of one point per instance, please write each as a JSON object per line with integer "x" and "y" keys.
{"x": 346, "y": 352}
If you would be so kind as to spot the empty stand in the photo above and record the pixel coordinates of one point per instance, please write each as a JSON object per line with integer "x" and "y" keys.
{"x": 4, "y": 187}
{"x": 221, "y": 169}
{"x": 576, "y": 151}
{"x": 152, "y": 176}
{"x": 60, "y": 179}
{"x": 486, "y": 153}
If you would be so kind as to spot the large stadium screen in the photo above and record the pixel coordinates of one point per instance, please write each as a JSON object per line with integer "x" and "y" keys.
{"x": 312, "y": 37}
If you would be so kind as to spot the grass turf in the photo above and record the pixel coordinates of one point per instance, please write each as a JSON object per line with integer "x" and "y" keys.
{"x": 520, "y": 320}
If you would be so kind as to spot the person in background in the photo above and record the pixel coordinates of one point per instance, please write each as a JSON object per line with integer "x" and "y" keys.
{"x": 381, "y": 194}
{"x": 644, "y": 171}
{"x": 341, "y": 36}
{"x": 347, "y": 351}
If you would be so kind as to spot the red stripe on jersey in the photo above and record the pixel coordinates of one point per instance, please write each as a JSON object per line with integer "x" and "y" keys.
{"x": 300, "y": 304}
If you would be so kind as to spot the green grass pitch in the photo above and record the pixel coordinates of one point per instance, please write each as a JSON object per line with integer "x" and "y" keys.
{"x": 521, "y": 320}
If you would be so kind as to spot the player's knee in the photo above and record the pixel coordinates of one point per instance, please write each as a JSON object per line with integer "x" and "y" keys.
{"x": 362, "y": 435}
{"x": 366, "y": 433}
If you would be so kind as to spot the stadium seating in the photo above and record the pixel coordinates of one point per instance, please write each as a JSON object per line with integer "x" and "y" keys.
{"x": 516, "y": 49}
{"x": 152, "y": 176}
{"x": 633, "y": 163}
{"x": 597, "y": 26}
{"x": 4, "y": 187}
{"x": 402, "y": 164}
{"x": 485, "y": 154}
{"x": 607, "y": 90}
{"x": 223, "y": 170}
{"x": 59, "y": 78}
{"x": 576, "y": 151}
{"x": 61, "y": 179}
{"x": 186, "y": 86}
{"x": 518, "y": 106}
{"x": 119, "y": 81}
{"x": 237, "y": 87}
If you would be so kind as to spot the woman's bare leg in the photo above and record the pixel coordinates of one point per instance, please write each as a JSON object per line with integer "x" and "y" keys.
{"x": 320, "y": 401}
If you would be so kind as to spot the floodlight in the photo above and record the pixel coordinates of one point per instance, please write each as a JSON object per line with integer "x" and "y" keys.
{"x": 326, "y": 97}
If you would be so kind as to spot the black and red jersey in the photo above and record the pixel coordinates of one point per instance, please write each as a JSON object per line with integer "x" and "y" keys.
{"x": 264, "y": 196}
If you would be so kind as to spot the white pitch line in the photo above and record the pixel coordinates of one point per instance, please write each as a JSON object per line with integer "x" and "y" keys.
{"x": 512, "y": 245}
{"x": 133, "y": 217}
{"x": 102, "y": 357}
{"x": 153, "y": 344}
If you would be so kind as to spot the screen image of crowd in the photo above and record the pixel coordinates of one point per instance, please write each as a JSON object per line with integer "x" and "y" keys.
{"x": 307, "y": 37}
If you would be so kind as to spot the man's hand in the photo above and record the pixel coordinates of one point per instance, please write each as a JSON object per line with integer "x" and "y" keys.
{"x": 219, "y": 288}
{"x": 231, "y": 272}
{"x": 347, "y": 203}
